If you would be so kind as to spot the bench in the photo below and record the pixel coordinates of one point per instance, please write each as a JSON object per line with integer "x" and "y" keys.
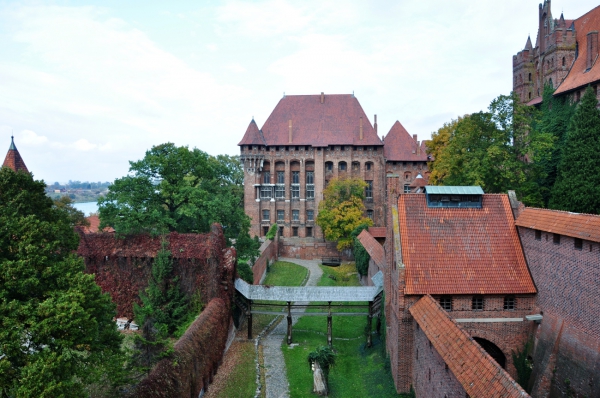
{"x": 331, "y": 261}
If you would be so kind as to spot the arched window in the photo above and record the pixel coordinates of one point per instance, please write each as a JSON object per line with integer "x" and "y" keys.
{"x": 530, "y": 95}
{"x": 329, "y": 167}
{"x": 492, "y": 349}
{"x": 342, "y": 166}
{"x": 530, "y": 77}
{"x": 563, "y": 61}
{"x": 550, "y": 83}
{"x": 370, "y": 214}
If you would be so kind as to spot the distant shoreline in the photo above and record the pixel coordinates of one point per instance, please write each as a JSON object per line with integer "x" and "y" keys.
{"x": 86, "y": 207}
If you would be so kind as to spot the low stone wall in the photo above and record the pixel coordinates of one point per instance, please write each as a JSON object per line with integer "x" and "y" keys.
{"x": 308, "y": 249}
{"x": 268, "y": 253}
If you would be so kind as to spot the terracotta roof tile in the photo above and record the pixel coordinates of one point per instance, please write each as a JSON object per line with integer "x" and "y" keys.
{"x": 461, "y": 250}
{"x": 252, "y": 136}
{"x": 94, "y": 224}
{"x": 373, "y": 247}
{"x": 535, "y": 101}
{"x": 576, "y": 225}
{"x": 578, "y": 77}
{"x": 13, "y": 159}
{"x": 476, "y": 371}
{"x": 400, "y": 146}
{"x": 336, "y": 121}
{"x": 378, "y": 232}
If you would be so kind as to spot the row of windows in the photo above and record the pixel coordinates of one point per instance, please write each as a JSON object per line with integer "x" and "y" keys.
{"x": 577, "y": 242}
{"x": 343, "y": 166}
{"x": 478, "y": 303}
{"x": 280, "y": 177}
{"x": 310, "y": 215}
{"x": 308, "y": 231}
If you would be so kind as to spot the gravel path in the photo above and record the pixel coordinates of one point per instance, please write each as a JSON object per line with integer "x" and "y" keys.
{"x": 276, "y": 377}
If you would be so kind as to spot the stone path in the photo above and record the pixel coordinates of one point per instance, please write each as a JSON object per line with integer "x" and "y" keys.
{"x": 275, "y": 374}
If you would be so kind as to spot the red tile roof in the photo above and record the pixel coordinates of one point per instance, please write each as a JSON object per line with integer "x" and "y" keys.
{"x": 94, "y": 224}
{"x": 578, "y": 77}
{"x": 13, "y": 159}
{"x": 378, "y": 232}
{"x": 252, "y": 136}
{"x": 461, "y": 250}
{"x": 476, "y": 371}
{"x": 419, "y": 182}
{"x": 336, "y": 121}
{"x": 400, "y": 146}
{"x": 373, "y": 247}
{"x": 576, "y": 225}
{"x": 535, "y": 101}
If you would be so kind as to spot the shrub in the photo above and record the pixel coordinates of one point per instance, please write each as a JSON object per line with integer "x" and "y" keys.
{"x": 272, "y": 232}
{"x": 245, "y": 271}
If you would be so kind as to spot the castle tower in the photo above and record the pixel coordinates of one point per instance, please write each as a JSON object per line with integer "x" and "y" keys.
{"x": 13, "y": 158}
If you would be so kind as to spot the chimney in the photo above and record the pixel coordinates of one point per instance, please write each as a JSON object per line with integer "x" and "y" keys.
{"x": 322, "y": 97}
{"x": 361, "y": 129}
{"x": 418, "y": 147}
{"x": 375, "y": 124}
{"x": 415, "y": 137}
{"x": 290, "y": 127}
{"x": 592, "y": 49}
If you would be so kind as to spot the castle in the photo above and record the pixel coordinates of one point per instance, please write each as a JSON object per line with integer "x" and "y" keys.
{"x": 565, "y": 57}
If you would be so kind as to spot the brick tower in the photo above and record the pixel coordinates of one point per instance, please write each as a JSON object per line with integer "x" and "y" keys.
{"x": 13, "y": 158}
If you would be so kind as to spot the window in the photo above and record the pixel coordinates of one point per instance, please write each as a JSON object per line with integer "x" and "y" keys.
{"x": 370, "y": 214}
{"x": 446, "y": 303}
{"x": 280, "y": 177}
{"x": 265, "y": 230}
{"x": 265, "y": 192}
{"x": 280, "y": 215}
{"x": 295, "y": 184}
{"x": 329, "y": 166}
{"x": 530, "y": 77}
{"x": 368, "y": 165}
{"x": 477, "y": 304}
{"x": 369, "y": 191}
{"x": 406, "y": 188}
{"x": 280, "y": 191}
{"x": 310, "y": 185}
{"x": 556, "y": 239}
{"x": 294, "y": 231}
{"x": 342, "y": 166}
{"x": 295, "y": 215}
{"x": 563, "y": 61}
{"x": 538, "y": 234}
{"x": 266, "y": 216}
{"x": 309, "y": 232}
{"x": 280, "y": 231}
{"x": 578, "y": 244}
{"x": 509, "y": 303}
{"x": 266, "y": 177}
{"x": 310, "y": 215}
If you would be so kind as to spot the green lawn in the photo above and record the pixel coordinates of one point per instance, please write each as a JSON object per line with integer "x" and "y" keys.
{"x": 359, "y": 371}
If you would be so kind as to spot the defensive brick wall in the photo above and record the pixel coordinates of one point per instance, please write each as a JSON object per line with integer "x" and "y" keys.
{"x": 268, "y": 253}
{"x": 308, "y": 249}
{"x": 431, "y": 376}
{"x": 566, "y": 353}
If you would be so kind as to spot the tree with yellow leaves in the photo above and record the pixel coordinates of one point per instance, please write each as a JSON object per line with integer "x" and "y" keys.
{"x": 342, "y": 210}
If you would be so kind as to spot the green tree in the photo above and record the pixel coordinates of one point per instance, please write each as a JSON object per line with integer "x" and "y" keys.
{"x": 65, "y": 204}
{"x": 342, "y": 210}
{"x": 56, "y": 329}
{"x": 556, "y": 116}
{"x": 361, "y": 256}
{"x": 177, "y": 189}
{"x": 577, "y": 186}
{"x": 497, "y": 150}
{"x": 436, "y": 147}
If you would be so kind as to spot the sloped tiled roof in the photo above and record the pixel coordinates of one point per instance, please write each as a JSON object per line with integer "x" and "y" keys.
{"x": 419, "y": 182}
{"x": 476, "y": 371}
{"x": 461, "y": 250}
{"x": 576, "y": 225}
{"x": 13, "y": 158}
{"x": 577, "y": 76}
{"x": 94, "y": 224}
{"x": 378, "y": 232}
{"x": 373, "y": 247}
{"x": 535, "y": 101}
{"x": 400, "y": 146}
{"x": 252, "y": 135}
{"x": 336, "y": 121}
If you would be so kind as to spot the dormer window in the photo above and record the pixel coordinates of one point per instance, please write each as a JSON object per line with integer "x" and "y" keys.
{"x": 448, "y": 196}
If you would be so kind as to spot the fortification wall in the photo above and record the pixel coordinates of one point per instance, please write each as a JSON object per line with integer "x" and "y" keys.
{"x": 566, "y": 353}
{"x": 308, "y": 249}
{"x": 268, "y": 253}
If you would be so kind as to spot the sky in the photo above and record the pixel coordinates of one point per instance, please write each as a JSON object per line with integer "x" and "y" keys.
{"x": 86, "y": 87}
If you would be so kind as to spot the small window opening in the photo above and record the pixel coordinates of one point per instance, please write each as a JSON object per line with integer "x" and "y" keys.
{"x": 477, "y": 304}
{"x": 509, "y": 303}
{"x": 446, "y": 303}
{"x": 578, "y": 244}
{"x": 294, "y": 231}
{"x": 538, "y": 234}
{"x": 556, "y": 239}
{"x": 309, "y": 232}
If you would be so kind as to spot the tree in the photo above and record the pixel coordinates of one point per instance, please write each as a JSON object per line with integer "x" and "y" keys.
{"x": 496, "y": 150}
{"x": 56, "y": 329}
{"x": 342, "y": 209}
{"x": 177, "y": 189}
{"x": 556, "y": 116}
{"x": 361, "y": 256}
{"x": 577, "y": 186}
{"x": 65, "y": 204}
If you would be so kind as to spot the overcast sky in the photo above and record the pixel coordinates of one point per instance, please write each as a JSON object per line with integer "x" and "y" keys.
{"x": 88, "y": 86}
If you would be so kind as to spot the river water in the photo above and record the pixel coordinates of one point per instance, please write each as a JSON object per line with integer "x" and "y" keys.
{"x": 87, "y": 207}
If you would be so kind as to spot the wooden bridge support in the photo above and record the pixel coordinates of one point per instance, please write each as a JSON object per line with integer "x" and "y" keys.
{"x": 329, "y": 327}
{"x": 289, "y": 323}
{"x": 370, "y": 325}
{"x": 249, "y": 317}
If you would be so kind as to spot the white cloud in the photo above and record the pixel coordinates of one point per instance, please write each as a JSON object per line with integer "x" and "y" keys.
{"x": 28, "y": 137}
{"x": 84, "y": 145}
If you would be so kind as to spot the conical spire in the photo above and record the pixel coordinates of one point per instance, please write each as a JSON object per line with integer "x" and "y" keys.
{"x": 13, "y": 158}
{"x": 528, "y": 45}
{"x": 252, "y": 136}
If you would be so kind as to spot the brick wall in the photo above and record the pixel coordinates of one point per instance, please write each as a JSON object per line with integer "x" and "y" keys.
{"x": 567, "y": 343}
{"x": 308, "y": 249}
{"x": 268, "y": 254}
{"x": 431, "y": 376}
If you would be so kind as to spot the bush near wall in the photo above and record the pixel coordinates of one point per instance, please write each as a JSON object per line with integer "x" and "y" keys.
{"x": 195, "y": 359}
